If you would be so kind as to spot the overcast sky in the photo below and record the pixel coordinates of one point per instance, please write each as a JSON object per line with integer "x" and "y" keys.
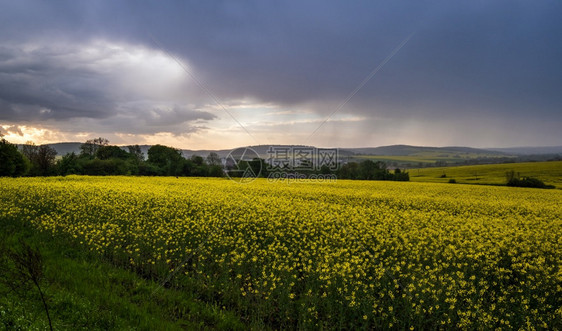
{"x": 222, "y": 74}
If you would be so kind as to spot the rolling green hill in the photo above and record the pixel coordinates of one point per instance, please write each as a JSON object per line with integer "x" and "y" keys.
{"x": 494, "y": 174}
{"x": 415, "y": 156}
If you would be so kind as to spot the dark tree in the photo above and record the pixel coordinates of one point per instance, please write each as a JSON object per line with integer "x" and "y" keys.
{"x": 45, "y": 161}
{"x": 42, "y": 158}
{"x": 197, "y": 160}
{"x": 69, "y": 165}
{"x": 136, "y": 152}
{"x": 215, "y": 171}
{"x": 168, "y": 160}
{"x": 101, "y": 141}
{"x": 349, "y": 170}
{"x": 368, "y": 170}
{"x": 325, "y": 170}
{"x": 12, "y": 162}
{"x": 402, "y": 175}
{"x": 90, "y": 147}
{"x": 513, "y": 179}
{"x": 97, "y": 167}
{"x": 111, "y": 152}
{"x": 29, "y": 149}
{"x": 213, "y": 159}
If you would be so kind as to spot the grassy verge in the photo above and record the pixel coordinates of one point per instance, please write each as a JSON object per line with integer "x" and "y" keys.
{"x": 86, "y": 293}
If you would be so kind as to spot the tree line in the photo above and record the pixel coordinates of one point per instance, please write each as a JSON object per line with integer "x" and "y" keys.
{"x": 364, "y": 170}
{"x": 98, "y": 158}
{"x": 370, "y": 170}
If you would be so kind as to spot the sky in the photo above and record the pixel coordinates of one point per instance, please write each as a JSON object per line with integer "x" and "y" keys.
{"x": 224, "y": 74}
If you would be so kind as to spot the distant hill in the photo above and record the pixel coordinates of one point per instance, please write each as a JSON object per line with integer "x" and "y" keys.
{"x": 65, "y": 148}
{"x": 420, "y": 156}
{"x": 407, "y": 150}
{"x": 396, "y": 155}
{"x": 529, "y": 150}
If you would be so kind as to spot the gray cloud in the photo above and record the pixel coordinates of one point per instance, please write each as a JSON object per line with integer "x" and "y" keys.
{"x": 44, "y": 83}
{"x": 475, "y": 61}
{"x": 501, "y": 56}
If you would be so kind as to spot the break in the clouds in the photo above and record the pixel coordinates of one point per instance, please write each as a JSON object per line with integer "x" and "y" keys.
{"x": 221, "y": 74}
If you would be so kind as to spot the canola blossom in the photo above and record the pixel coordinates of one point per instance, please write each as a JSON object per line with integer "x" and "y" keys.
{"x": 345, "y": 254}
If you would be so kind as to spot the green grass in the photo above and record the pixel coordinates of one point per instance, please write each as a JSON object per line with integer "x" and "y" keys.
{"x": 425, "y": 157}
{"x": 494, "y": 174}
{"x": 85, "y": 292}
{"x": 406, "y": 158}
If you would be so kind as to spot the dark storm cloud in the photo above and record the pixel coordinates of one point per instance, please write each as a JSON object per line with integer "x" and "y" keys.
{"x": 481, "y": 58}
{"x": 34, "y": 87}
{"x": 502, "y": 59}
{"x": 63, "y": 82}
{"x": 155, "y": 120}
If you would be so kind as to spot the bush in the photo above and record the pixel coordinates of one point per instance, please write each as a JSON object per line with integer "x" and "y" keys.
{"x": 452, "y": 181}
{"x": 528, "y": 182}
{"x": 401, "y": 176}
{"x": 97, "y": 167}
{"x": 514, "y": 180}
{"x": 149, "y": 169}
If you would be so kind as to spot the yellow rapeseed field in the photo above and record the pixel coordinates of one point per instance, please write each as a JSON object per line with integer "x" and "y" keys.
{"x": 346, "y": 254}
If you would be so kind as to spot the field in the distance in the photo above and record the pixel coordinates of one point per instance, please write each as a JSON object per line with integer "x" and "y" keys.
{"x": 350, "y": 254}
{"x": 411, "y": 156}
{"x": 495, "y": 174}
{"x": 420, "y": 158}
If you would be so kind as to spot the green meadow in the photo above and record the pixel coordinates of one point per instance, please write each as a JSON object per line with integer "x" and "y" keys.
{"x": 491, "y": 174}
{"x": 430, "y": 157}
